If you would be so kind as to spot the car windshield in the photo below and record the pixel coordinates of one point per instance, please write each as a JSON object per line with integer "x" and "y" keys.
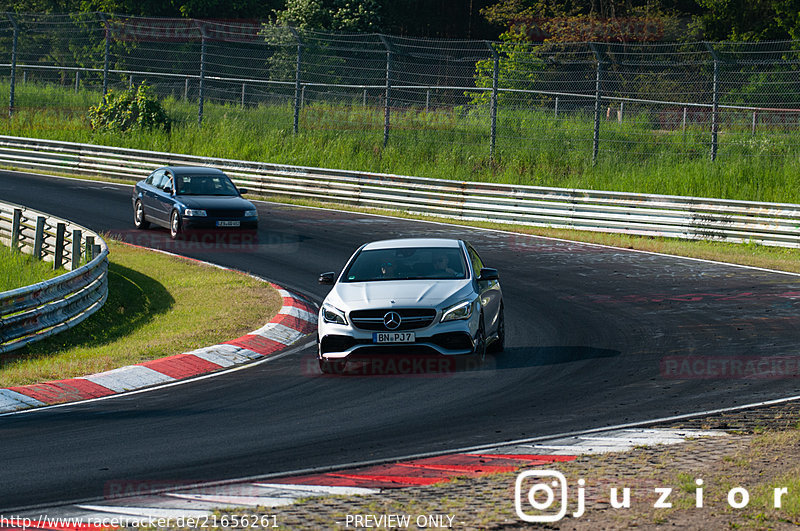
{"x": 409, "y": 263}
{"x": 205, "y": 185}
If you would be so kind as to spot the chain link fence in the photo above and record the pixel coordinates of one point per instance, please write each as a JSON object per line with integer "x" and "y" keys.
{"x": 623, "y": 101}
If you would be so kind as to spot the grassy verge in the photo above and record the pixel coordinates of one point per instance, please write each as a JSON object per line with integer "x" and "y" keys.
{"x": 532, "y": 147}
{"x": 158, "y": 305}
{"x": 19, "y": 269}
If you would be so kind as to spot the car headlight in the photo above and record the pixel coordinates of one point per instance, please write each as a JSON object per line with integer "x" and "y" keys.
{"x": 251, "y": 213}
{"x": 462, "y": 310}
{"x": 332, "y": 314}
{"x": 190, "y": 212}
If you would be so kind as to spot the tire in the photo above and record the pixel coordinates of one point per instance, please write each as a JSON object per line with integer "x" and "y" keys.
{"x": 139, "y": 220}
{"x": 332, "y": 367}
{"x": 499, "y": 344}
{"x": 175, "y": 225}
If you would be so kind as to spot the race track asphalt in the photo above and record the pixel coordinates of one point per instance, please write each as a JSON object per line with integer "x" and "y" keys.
{"x": 592, "y": 334}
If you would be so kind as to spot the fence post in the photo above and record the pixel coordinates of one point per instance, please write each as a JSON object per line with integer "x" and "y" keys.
{"x": 297, "y": 88}
{"x": 427, "y": 100}
{"x": 87, "y": 251}
{"x": 386, "y": 102}
{"x": 186, "y": 89}
{"x": 714, "y": 102}
{"x": 493, "y": 104}
{"x": 202, "y": 88}
{"x": 58, "y": 255}
{"x": 16, "y": 227}
{"x": 38, "y": 239}
{"x": 597, "y": 102}
{"x": 77, "y": 80}
{"x": 754, "y": 122}
{"x": 76, "y": 249}
{"x": 13, "y": 64}
{"x": 106, "y": 54}
{"x": 243, "y": 89}
{"x": 556, "y": 107}
{"x": 684, "y": 119}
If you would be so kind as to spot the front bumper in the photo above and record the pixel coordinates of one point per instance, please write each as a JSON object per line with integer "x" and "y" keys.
{"x": 452, "y": 338}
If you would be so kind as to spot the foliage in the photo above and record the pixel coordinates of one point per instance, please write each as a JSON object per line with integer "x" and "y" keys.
{"x": 130, "y": 109}
{"x": 586, "y": 21}
{"x": 759, "y": 20}
{"x": 335, "y": 15}
{"x": 519, "y": 66}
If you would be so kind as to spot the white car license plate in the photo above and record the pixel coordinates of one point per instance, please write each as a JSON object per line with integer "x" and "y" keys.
{"x": 227, "y": 223}
{"x": 393, "y": 337}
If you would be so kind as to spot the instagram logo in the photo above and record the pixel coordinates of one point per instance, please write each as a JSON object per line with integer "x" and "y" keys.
{"x": 548, "y": 492}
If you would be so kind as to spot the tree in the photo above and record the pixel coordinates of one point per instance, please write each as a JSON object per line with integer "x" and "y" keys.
{"x": 750, "y": 20}
{"x": 588, "y": 20}
{"x": 211, "y": 9}
{"x": 332, "y": 15}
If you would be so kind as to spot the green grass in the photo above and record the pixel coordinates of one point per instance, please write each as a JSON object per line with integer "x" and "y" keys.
{"x": 533, "y": 148}
{"x": 18, "y": 269}
{"x": 158, "y": 306}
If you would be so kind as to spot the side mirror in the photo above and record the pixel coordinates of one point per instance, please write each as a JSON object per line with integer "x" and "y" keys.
{"x": 487, "y": 273}
{"x": 243, "y": 191}
{"x": 327, "y": 278}
{"x": 167, "y": 190}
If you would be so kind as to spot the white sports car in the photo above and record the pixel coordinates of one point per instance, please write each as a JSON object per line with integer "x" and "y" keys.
{"x": 411, "y": 296}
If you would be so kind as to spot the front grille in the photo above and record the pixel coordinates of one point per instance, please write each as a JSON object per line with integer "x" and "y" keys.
{"x": 410, "y": 318}
{"x": 219, "y": 213}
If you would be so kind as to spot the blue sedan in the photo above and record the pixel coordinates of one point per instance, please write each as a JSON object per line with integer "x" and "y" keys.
{"x": 187, "y": 197}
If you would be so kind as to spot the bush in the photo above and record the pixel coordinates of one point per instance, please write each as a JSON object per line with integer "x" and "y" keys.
{"x": 129, "y": 109}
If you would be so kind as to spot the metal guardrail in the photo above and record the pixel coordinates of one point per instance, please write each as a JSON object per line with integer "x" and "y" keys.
{"x": 32, "y": 313}
{"x": 618, "y": 212}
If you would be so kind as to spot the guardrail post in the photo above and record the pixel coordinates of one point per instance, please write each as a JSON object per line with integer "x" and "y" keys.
{"x": 597, "y": 102}
{"x": 96, "y": 250}
{"x": 714, "y": 102}
{"x": 38, "y": 239}
{"x": 13, "y": 64}
{"x": 297, "y": 87}
{"x": 16, "y": 227}
{"x": 89, "y": 248}
{"x": 76, "y": 249}
{"x": 58, "y": 256}
{"x": 386, "y": 103}
{"x": 493, "y": 104}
